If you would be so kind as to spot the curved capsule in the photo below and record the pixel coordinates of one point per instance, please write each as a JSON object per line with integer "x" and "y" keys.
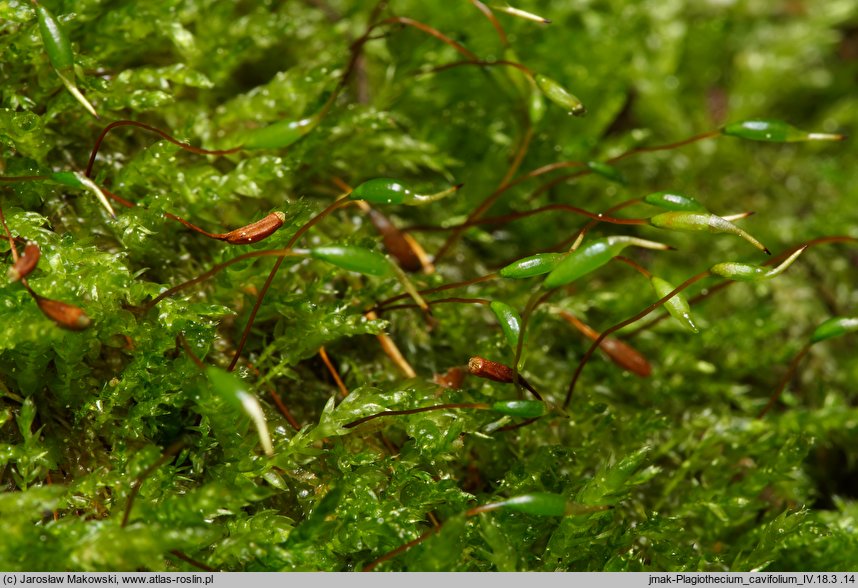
{"x": 233, "y": 391}
{"x": 395, "y": 241}
{"x": 774, "y": 131}
{"x": 63, "y": 314}
{"x": 280, "y": 134}
{"x": 592, "y": 256}
{"x": 745, "y": 272}
{"x": 520, "y": 408}
{"x": 509, "y": 320}
{"x": 257, "y": 231}
{"x": 390, "y": 191}
{"x": 528, "y": 267}
{"x": 674, "y": 202}
{"x": 356, "y": 259}
{"x": 620, "y": 353}
{"x": 559, "y": 95}
{"x": 677, "y": 306}
{"x": 26, "y": 262}
{"x": 606, "y": 171}
{"x": 834, "y": 327}
{"x": 702, "y": 221}
{"x": 491, "y": 370}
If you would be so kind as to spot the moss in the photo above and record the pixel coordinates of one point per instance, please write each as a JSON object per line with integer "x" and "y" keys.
{"x": 115, "y": 452}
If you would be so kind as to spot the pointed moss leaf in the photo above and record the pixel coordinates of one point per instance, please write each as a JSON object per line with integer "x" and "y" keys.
{"x": 509, "y": 320}
{"x": 674, "y": 202}
{"x": 834, "y": 327}
{"x": 559, "y": 95}
{"x": 606, "y": 171}
{"x": 541, "y": 504}
{"x": 356, "y": 259}
{"x": 774, "y": 131}
{"x": 677, "y": 306}
{"x": 316, "y": 522}
{"x": 592, "y": 256}
{"x": 234, "y": 392}
{"x": 381, "y": 191}
{"x": 520, "y": 408}
{"x": 280, "y": 134}
{"x": 701, "y": 221}
{"x": 745, "y": 272}
{"x": 528, "y": 267}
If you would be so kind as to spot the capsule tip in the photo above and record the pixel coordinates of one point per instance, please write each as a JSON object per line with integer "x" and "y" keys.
{"x": 458, "y": 187}
{"x": 766, "y": 251}
{"x": 280, "y": 215}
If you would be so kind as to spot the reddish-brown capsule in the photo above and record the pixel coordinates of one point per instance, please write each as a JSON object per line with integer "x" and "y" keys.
{"x": 26, "y": 263}
{"x": 484, "y": 368}
{"x": 452, "y": 378}
{"x": 620, "y": 353}
{"x": 255, "y": 231}
{"x": 65, "y": 315}
{"x": 498, "y": 372}
{"x": 395, "y": 242}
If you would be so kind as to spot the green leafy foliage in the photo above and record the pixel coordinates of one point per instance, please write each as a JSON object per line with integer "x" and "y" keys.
{"x": 118, "y": 452}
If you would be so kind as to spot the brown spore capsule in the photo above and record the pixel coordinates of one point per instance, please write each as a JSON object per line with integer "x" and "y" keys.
{"x": 26, "y": 263}
{"x": 395, "y": 242}
{"x": 65, "y": 315}
{"x": 257, "y": 231}
{"x": 491, "y": 370}
{"x": 620, "y": 353}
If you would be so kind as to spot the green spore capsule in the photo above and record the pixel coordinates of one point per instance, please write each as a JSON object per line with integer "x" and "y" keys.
{"x": 558, "y": 94}
{"x": 356, "y": 259}
{"x": 774, "y": 131}
{"x": 534, "y": 265}
{"x": 67, "y": 178}
{"x": 702, "y": 221}
{"x": 390, "y": 191}
{"x": 606, "y": 171}
{"x": 280, "y": 134}
{"x": 520, "y": 408}
{"x": 674, "y": 202}
{"x": 233, "y": 391}
{"x": 834, "y": 327}
{"x": 541, "y": 504}
{"x": 59, "y": 50}
{"x": 536, "y": 106}
{"x": 745, "y": 272}
{"x": 592, "y": 256}
{"x": 509, "y": 320}
{"x": 677, "y": 306}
